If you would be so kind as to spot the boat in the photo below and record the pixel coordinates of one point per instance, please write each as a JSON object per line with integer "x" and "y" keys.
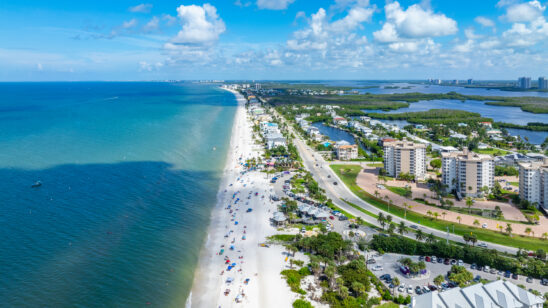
{"x": 36, "y": 184}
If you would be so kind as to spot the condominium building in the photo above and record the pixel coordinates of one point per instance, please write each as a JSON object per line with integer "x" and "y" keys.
{"x": 533, "y": 182}
{"x": 405, "y": 157}
{"x": 347, "y": 152}
{"x": 542, "y": 83}
{"x": 524, "y": 82}
{"x": 468, "y": 173}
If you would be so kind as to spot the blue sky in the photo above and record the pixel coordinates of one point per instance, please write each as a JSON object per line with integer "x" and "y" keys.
{"x": 272, "y": 39}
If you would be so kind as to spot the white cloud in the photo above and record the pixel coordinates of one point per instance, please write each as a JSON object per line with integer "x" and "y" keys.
{"x": 152, "y": 25}
{"x": 273, "y": 4}
{"x": 524, "y": 12}
{"x": 201, "y": 25}
{"x": 486, "y": 22}
{"x": 39, "y": 67}
{"x": 415, "y": 22}
{"x": 170, "y": 20}
{"x": 141, "y": 8}
{"x": 149, "y": 67}
{"x": 130, "y": 24}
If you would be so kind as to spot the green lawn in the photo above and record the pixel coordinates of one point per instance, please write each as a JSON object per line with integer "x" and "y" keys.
{"x": 491, "y": 151}
{"x": 397, "y": 190}
{"x": 514, "y": 184}
{"x": 376, "y": 165}
{"x": 348, "y": 174}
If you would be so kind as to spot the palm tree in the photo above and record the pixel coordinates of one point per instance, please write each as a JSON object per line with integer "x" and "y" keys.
{"x": 509, "y": 229}
{"x": 402, "y": 228}
{"x": 528, "y": 230}
{"x": 430, "y": 239}
{"x": 381, "y": 220}
{"x": 436, "y": 214}
{"x": 395, "y": 283}
{"x": 469, "y": 203}
{"x": 443, "y": 214}
{"x": 389, "y": 218}
{"x": 459, "y": 219}
{"x": 500, "y": 228}
{"x": 545, "y": 235}
{"x": 476, "y": 222}
{"x": 376, "y": 193}
{"x": 405, "y": 210}
{"x": 419, "y": 235}
{"x": 429, "y": 213}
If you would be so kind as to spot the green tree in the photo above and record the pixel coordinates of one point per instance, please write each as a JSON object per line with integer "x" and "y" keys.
{"x": 402, "y": 229}
{"x": 509, "y": 229}
{"x": 439, "y": 280}
{"x": 301, "y": 303}
{"x": 381, "y": 219}
{"x": 469, "y": 203}
{"x": 419, "y": 235}
{"x": 460, "y": 275}
{"x": 431, "y": 239}
{"x": 391, "y": 228}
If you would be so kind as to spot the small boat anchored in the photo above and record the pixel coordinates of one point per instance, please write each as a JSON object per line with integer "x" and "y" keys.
{"x": 36, "y": 184}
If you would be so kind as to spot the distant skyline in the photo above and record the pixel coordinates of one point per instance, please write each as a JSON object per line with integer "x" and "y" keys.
{"x": 272, "y": 39}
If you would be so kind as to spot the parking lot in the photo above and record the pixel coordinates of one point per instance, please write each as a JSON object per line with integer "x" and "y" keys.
{"x": 390, "y": 265}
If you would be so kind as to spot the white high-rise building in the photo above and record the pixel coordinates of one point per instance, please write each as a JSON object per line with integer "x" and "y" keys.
{"x": 524, "y": 82}
{"x": 542, "y": 83}
{"x": 468, "y": 173}
{"x": 405, "y": 157}
{"x": 533, "y": 182}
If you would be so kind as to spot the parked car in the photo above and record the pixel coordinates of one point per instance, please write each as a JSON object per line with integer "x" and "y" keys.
{"x": 477, "y": 278}
{"x": 410, "y": 289}
{"x": 421, "y": 258}
{"x": 426, "y": 289}
{"x": 401, "y": 288}
{"x": 486, "y": 268}
{"x": 427, "y": 259}
{"x": 434, "y": 258}
{"x": 334, "y": 183}
{"x": 529, "y": 279}
{"x": 544, "y": 282}
{"x": 440, "y": 260}
{"x": 414, "y": 227}
{"x": 385, "y": 276}
{"x": 447, "y": 261}
{"x": 482, "y": 245}
{"x": 432, "y": 287}
{"x": 377, "y": 268}
{"x": 453, "y": 262}
{"x": 473, "y": 266}
{"x": 507, "y": 274}
{"x": 418, "y": 290}
{"x": 484, "y": 226}
{"x": 515, "y": 276}
{"x": 460, "y": 263}
{"x": 493, "y": 271}
{"x": 371, "y": 261}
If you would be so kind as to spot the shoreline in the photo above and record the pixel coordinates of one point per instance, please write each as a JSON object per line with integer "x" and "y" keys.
{"x": 262, "y": 266}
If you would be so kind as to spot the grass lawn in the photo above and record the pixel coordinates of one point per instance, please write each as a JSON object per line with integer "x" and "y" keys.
{"x": 491, "y": 151}
{"x": 514, "y": 184}
{"x": 388, "y": 305}
{"x": 397, "y": 190}
{"x": 376, "y": 165}
{"x": 348, "y": 174}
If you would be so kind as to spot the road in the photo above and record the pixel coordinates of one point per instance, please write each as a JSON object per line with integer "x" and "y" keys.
{"x": 326, "y": 177}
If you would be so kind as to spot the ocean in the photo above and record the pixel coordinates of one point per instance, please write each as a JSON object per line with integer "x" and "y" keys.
{"x": 129, "y": 175}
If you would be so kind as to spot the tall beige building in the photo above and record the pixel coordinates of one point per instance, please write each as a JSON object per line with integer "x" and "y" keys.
{"x": 405, "y": 157}
{"x": 533, "y": 182}
{"x": 467, "y": 172}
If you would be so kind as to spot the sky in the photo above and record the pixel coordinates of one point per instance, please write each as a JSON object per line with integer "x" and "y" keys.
{"x": 59, "y": 40}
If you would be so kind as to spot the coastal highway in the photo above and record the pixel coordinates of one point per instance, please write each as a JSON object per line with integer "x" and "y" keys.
{"x": 320, "y": 170}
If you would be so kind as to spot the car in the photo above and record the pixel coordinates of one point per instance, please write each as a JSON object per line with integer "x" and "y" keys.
{"x": 385, "y": 276}
{"x": 343, "y": 218}
{"x": 486, "y": 268}
{"x": 460, "y": 263}
{"x": 507, "y": 274}
{"x": 401, "y": 288}
{"x": 413, "y": 227}
{"x": 493, "y": 271}
{"x": 515, "y": 276}
{"x": 473, "y": 266}
{"x": 432, "y": 287}
{"x": 446, "y": 261}
{"x": 434, "y": 258}
{"x": 303, "y": 230}
{"x": 418, "y": 290}
{"x": 477, "y": 278}
{"x": 529, "y": 279}
{"x": 328, "y": 176}
{"x": 316, "y": 165}
{"x": 410, "y": 289}
{"x": 451, "y": 284}
{"x": 426, "y": 289}
{"x": 427, "y": 259}
{"x": 440, "y": 260}
{"x": 421, "y": 258}
{"x": 377, "y": 268}
{"x": 483, "y": 245}
{"x": 453, "y": 262}
{"x": 331, "y": 217}
{"x": 484, "y": 226}
{"x": 544, "y": 282}
{"x": 391, "y": 286}
{"x": 334, "y": 183}
{"x": 500, "y": 273}
{"x": 371, "y": 261}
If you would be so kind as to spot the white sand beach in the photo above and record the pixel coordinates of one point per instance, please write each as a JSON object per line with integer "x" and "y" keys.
{"x": 232, "y": 225}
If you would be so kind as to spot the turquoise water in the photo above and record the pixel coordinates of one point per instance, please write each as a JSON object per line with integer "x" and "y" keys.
{"x": 129, "y": 178}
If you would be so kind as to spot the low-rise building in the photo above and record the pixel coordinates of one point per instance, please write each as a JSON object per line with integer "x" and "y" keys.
{"x": 467, "y": 173}
{"x": 405, "y": 157}
{"x": 346, "y": 152}
{"x": 498, "y": 293}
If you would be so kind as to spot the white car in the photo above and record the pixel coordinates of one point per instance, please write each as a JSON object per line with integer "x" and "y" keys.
{"x": 484, "y": 226}
{"x": 401, "y": 288}
{"x": 460, "y": 263}
{"x": 377, "y": 268}
{"x": 410, "y": 289}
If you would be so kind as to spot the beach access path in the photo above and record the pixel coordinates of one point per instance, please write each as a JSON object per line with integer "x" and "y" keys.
{"x": 229, "y": 226}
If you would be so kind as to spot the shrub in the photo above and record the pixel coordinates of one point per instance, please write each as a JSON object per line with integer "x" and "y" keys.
{"x": 301, "y": 303}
